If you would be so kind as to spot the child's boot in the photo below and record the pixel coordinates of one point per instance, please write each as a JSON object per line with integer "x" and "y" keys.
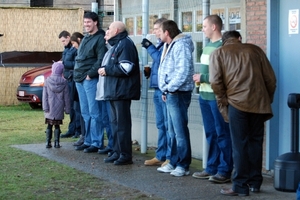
{"x": 56, "y": 138}
{"x": 48, "y": 138}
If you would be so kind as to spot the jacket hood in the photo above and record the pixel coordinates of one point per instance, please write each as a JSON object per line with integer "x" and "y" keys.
{"x": 57, "y": 68}
{"x": 56, "y": 83}
{"x": 186, "y": 39}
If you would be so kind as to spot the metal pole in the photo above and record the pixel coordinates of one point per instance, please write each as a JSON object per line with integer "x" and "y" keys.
{"x": 144, "y": 95}
{"x": 205, "y": 146}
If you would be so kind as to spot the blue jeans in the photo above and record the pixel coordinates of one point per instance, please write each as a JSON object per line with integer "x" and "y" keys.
{"x": 217, "y": 133}
{"x": 247, "y": 133}
{"x": 177, "y": 109}
{"x": 90, "y": 111}
{"x": 163, "y": 150}
{"x": 105, "y": 112}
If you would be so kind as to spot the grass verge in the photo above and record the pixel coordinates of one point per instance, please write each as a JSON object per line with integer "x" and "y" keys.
{"x": 24, "y": 175}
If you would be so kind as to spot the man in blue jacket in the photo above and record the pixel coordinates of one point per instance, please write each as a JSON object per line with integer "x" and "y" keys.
{"x": 121, "y": 85}
{"x": 163, "y": 143}
{"x": 88, "y": 60}
{"x": 68, "y": 60}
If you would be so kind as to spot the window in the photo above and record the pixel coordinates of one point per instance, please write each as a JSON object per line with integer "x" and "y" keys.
{"x": 187, "y": 22}
{"x": 221, "y": 13}
{"x": 234, "y": 19}
{"x": 166, "y": 15}
{"x": 199, "y": 20}
{"x": 152, "y": 19}
{"x": 139, "y": 25}
{"x": 129, "y": 25}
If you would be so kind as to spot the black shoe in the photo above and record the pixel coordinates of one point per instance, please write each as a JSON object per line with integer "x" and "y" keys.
{"x": 66, "y": 135}
{"x": 81, "y": 147}
{"x": 79, "y": 142}
{"x": 123, "y": 160}
{"x": 104, "y": 151}
{"x": 112, "y": 158}
{"x": 91, "y": 149}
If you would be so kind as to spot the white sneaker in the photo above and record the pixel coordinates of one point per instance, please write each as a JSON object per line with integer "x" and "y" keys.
{"x": 166, "y": 169}
{"x": 179, "y": 171}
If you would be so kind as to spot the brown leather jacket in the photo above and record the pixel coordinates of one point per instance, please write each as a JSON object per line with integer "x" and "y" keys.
{"x": 242, "y": 76}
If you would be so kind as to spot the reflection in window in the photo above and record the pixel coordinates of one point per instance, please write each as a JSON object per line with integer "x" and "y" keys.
{"x": 221, "y": 13}
{"x": 129, "y": 25}
{"x": 166, "y": 15}
{"x": 187, "y": 20}
{"x": 199, "y": 48}
{"x": 234, "y": 19}
{"x": 139, "y": 25}
{"x": 152, "y": 19}
{"x": 199, "y": 20}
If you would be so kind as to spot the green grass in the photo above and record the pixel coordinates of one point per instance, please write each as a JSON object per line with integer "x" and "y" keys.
{"x": 24, "y": 175}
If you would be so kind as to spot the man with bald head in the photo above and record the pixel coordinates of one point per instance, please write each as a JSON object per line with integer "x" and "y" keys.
{"x": 121, "y": 86}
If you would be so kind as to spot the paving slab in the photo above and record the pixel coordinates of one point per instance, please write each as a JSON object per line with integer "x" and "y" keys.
{"x": 146, "y": 178}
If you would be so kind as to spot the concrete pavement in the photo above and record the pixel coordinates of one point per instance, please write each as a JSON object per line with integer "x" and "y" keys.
{"x": 146, "y": 178}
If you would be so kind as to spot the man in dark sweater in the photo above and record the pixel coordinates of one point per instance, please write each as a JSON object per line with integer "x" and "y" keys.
{"x": 89, "y": 57}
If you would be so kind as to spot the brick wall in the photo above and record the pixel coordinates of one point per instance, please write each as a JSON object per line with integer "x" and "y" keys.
{"x": 256, "y": 33}
{"x": 256, "y": 22}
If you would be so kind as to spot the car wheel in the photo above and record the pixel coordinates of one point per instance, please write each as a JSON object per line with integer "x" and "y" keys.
{"x": 35, "y": 105}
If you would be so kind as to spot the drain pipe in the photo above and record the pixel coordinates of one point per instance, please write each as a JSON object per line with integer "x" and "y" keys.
{"x": 144, "y": 95}
{"x": 205, "y": 145}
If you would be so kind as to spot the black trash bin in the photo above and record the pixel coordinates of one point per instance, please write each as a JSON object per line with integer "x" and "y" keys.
{"x": 287, "y": 166}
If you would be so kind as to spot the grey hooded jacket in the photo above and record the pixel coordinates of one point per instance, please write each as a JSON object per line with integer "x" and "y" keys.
{"x": 56, "y": 97}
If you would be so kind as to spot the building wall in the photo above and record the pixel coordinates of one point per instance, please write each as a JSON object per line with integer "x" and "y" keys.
{"x": 84, "y": 4}
{"x": 256, "y": 33}
{"x": 256, "y": 22}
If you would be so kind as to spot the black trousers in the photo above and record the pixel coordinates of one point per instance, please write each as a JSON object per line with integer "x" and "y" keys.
{"x": 121, "y": 127}
{"x": 247, "y": 136}
{"x": 74, "y": 125}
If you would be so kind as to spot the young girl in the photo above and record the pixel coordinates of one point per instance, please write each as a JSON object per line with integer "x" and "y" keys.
{"x": 55, "y": 102}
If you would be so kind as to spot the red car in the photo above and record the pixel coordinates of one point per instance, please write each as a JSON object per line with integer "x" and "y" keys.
{"x": 31, "y": 83}
{"x": 31, "y": 86}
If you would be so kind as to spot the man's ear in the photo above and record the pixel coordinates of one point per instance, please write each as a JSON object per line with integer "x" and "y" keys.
{"x": 214, "y": 27}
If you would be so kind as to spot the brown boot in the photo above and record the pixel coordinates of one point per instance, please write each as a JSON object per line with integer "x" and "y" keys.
{"x": 152, "y": 162}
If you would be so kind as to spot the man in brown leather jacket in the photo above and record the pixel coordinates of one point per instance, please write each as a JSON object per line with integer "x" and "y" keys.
{"x": 244, "y": 83}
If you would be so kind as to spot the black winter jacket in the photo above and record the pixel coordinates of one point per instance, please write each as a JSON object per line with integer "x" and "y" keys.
{"x": 122, "y": 80}
{"x": 89, "y": 56}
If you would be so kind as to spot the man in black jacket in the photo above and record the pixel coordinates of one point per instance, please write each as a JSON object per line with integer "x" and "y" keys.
{"x": 121, "y": 85}
{"x": 88, "y": 60}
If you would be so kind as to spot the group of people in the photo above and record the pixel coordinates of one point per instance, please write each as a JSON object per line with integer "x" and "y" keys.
{"x": 236, "y": 87}
{"x": 97, "y": 71}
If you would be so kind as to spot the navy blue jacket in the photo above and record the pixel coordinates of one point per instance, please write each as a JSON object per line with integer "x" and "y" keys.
{"x": 122, "y": 80}
{"x": 68, "y": 59}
